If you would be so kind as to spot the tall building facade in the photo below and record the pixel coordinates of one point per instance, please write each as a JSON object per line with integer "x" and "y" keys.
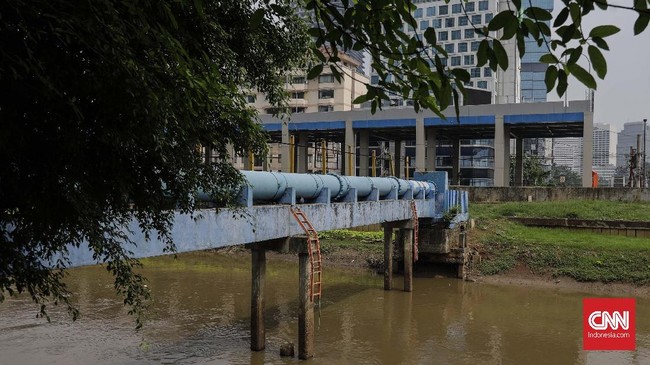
{"x": 628, "y": 138}
{"x": 568, "y": 152}
{"x": 533, "y": 88}
{"x": 603, "y": 144}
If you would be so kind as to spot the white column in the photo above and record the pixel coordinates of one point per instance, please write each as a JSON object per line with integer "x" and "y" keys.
{"x": 501, "y": 152}
{"x": 587, "y": 148}
{"x": 420, "y": 145}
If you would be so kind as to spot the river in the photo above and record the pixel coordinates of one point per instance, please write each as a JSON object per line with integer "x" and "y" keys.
{"x": 201, "y": 308}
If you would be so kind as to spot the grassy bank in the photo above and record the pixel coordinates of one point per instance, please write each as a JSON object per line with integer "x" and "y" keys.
{"x": 584, "y": 209}
{"x": 583, "y": 256}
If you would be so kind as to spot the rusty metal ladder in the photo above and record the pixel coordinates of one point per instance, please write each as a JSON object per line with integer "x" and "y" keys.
{"x": 416, "y": 228}
{"x": 313, "y": 243}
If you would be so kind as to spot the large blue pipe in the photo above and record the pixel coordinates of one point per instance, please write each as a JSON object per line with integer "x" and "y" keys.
{"x": 270, "y": 186}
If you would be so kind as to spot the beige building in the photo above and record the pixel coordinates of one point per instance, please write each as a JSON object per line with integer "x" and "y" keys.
{"x": 322, "y": 94}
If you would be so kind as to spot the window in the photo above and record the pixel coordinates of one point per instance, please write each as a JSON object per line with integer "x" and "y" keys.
{"x": 443, "y": 36}
{"x": 470, "y": 6}
{"x": 326, "y": 79}
{"x": 374, "y": 79}
{"x": 418, "y": 13}
{"x": 462, "y": 21}
{"x": 443, "y": 61}
{"x": 455, "y": 34}
{"x": 325, "y": 108}
{"x": 456, "y": 9}
{"x": 449, "y": 48}
{"x": 483, "y": 5}
{"x": 325, "y": 94}
{"x": 488, "y": 17}
{"x": 475, "y": 72}
{"x": 298, "y": 95}
{"x": 436, "y": 23}
{"x": 476, "y": 19}
{"x": 424, "y": 24}
{"x": 455, "y": 61}
{"x": 469, "y": 83}
{"x": 487, "y": 72}
{"x": 449, "y": 22}
{"x": 469, "y": 61}
{"x": 299, "y": 109}
{"x": 298, "y": 80}
{"x": 444, "y": 10}
{"x": 475, "y": 46}
{"x": 469, "y": 33}
{"x": 431, "y": 11}
{"x": 462, "y": 47}
{"x": 250, "y": 98}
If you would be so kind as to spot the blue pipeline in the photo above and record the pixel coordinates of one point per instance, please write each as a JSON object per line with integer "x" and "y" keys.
{"x": 271, "y": 186}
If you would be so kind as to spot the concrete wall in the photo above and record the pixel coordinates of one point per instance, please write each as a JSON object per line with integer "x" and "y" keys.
{"x": 505, "y": 194}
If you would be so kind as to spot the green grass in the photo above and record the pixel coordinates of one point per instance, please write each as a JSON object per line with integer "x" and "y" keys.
{"x": 584, "y": 209}
{"x": 583, "y": 256}
{"x": 364, "y": 242}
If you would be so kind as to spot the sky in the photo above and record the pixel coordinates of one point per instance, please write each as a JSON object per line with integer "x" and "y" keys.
{"x": 624, "y": 95}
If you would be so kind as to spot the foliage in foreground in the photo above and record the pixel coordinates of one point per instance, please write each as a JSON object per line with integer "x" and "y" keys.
{"x": 105, "y": 106}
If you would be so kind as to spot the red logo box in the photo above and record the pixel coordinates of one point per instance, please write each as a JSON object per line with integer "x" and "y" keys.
{"x": 608, "y": 323}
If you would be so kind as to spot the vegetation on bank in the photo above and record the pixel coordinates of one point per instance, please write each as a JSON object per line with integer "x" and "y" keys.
{"x": 343, "y": 239}
{"x": 583, "y": 209}
{"x": 580, "y": 255}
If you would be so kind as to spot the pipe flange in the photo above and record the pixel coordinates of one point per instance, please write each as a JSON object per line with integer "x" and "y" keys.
{"x": 344, "y": 186}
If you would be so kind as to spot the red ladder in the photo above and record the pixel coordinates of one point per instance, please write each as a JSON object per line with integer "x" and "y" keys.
{"x": 416, "y": 226}
{"x": 313, "y": 244}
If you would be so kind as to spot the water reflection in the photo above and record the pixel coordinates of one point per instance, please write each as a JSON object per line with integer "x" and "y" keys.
{"x": 201, "y": 307}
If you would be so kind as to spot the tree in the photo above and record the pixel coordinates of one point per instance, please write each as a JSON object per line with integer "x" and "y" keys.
{"x": 564, "y": 176}
{"x": 411, "y": 64}
{"x": 105, "y": 106}
{"x": 535, "y": 174}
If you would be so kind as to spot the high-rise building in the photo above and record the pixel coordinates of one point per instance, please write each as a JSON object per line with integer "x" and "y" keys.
{"x": 568, "y": 152}
{"x": 602, "y": 145}
{"x": 533, "y": 87}
{"x": 628, "y": 138}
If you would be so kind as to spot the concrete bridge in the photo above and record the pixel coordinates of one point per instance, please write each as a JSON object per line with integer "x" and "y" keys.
{"x": 346, "y": 202}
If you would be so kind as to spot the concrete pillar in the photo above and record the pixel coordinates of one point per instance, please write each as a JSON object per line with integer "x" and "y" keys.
{"x": 302, "y": 151}
{"x": 519, "y": 162}
{"x": 364, "y": 152}
{"x": 430, "y": 163}
{"x": 455, "y": 161}
{"x": 285, "y": 162}
{"x": 306, "y": 310}
{"x": 420, "y": 145}
{"x": 407, "y": 236}
{"x": 258, "y": 331}
{"x": 350, "y": 148}
{"x": 397, "y": 159}
{"x": 388, "y": 258}
{"x": 587, "y": 148}
{"x": 501, "y": 152}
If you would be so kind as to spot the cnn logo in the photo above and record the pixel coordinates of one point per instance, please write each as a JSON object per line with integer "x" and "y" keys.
{"x": 602, "y": 320}
{"x": 608, "y": 323}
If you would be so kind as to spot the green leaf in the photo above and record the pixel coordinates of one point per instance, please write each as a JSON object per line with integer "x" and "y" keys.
{"x": 561, "y": 82}
{"x": 561, "y": 17}
{"x": 602, "y": 4}
{"x": 600, "y": 43}
{"x": 548, "y": 58}
{"x": 641, "y": 23}
{"x": 430, "y": 36}
{"x": 482, "y": 53}
{"x": 500, "y": 53}
{"x": 362, "y": 99}
{"x": 315, "y": 71}
{"x": 582, "y": 75}
{"x": 597, "y": 61}
{"x": 517, "y": 4}
{"x": 256, "y": 18}
{"x": 510, "y": 29}
{"x": 538, "y": 14}
{"x": 521, "y": 44}
{"x": 501, "y": 20}
{"x": 603, "y": 31}
{"x": 550, "y": 77}
{"x": 461, "y": 74}
{"x": 566, "y": 32}
{"x": 456, "y": 106}
{"x": 575, "y": 54}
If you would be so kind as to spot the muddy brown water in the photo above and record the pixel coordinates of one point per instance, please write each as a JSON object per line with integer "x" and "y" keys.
{"x": 200, "y": 315}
